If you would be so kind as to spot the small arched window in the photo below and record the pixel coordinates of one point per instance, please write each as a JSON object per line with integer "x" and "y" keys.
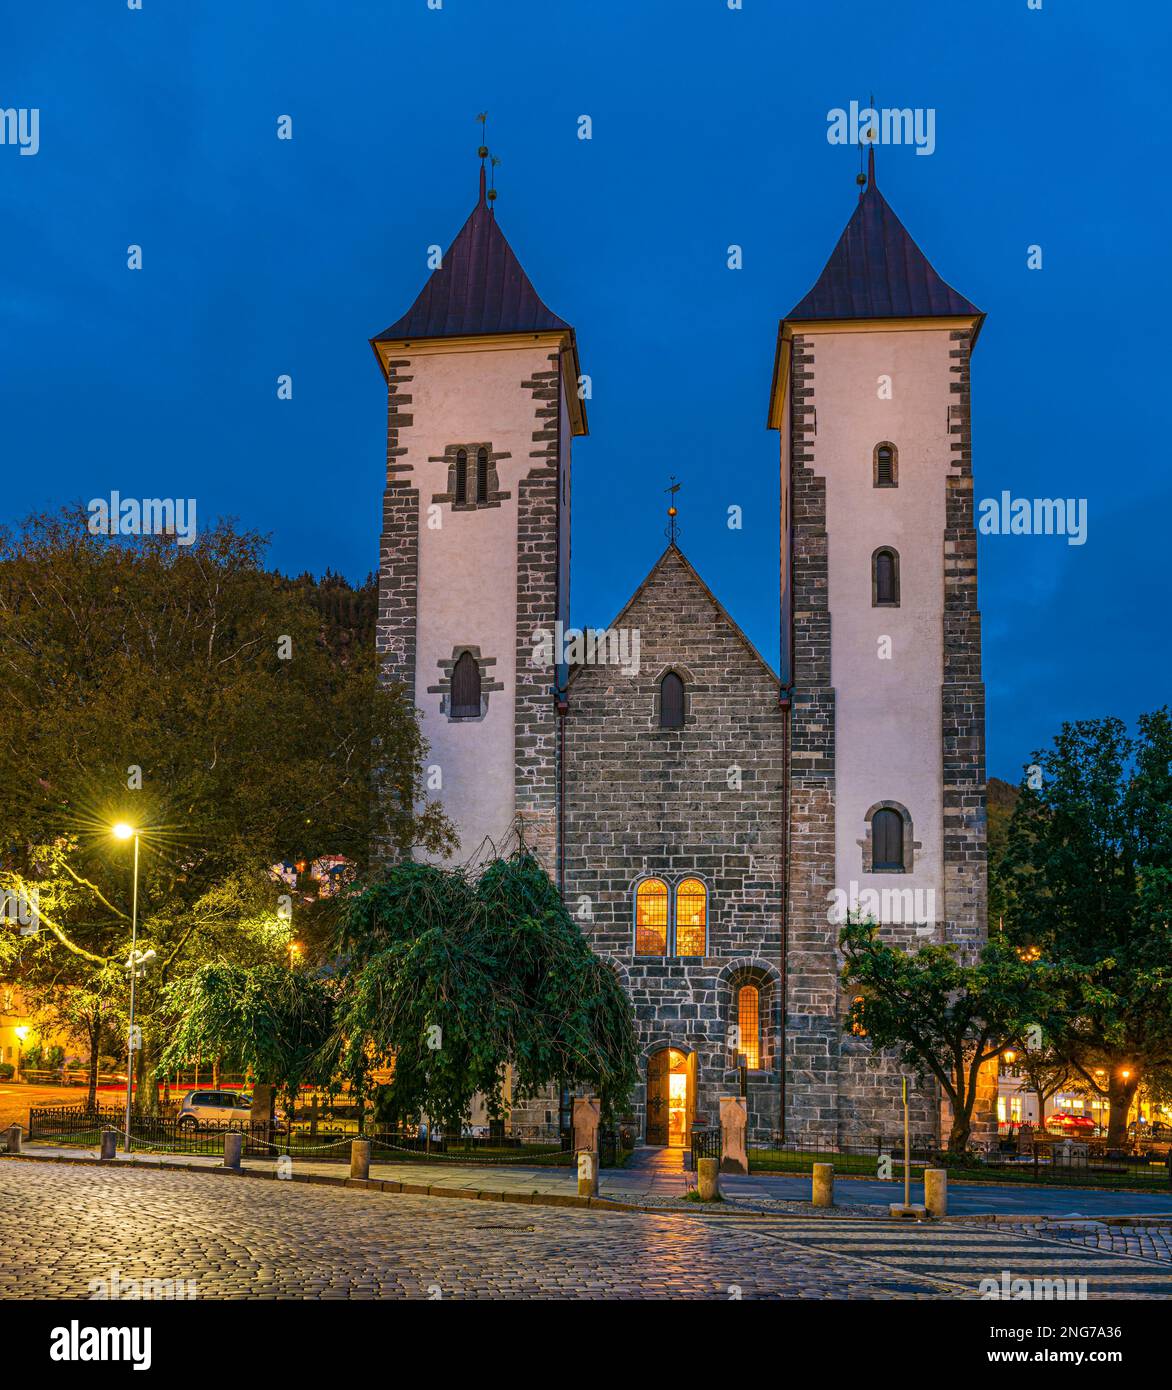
{"x": 885, "y": 578}
{"x": 886, "y": 465}
{"x": 482, "y": 475}
{"x": 671, "y": 702}
{"x": 691, "y": 918}
{"x": 651, "y": 918}
{"x": 466, "y": 688}
{"x": 887, "y": 841}
{"x": 749, "y": 1026}
{"x": 461, "y": 476}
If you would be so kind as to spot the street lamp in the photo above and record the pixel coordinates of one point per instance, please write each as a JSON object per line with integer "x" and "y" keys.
{"x": 22, "y": 1033}
{"x": 122, "y": 831}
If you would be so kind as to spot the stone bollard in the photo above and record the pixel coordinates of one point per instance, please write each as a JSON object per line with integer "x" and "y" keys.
{"x": 587, "y": 1175}
{"x": 708, "y": 1179}
{"x": 823, "y": 1193}
{"x": 15, "y": 1135}
{"x": 360, "y": 1159}
{"x": 936, "y": 1191}
{"x": 734, "y": 1122}
{"x": 109, "y": 1143}
{"x": 233, "y": 1144}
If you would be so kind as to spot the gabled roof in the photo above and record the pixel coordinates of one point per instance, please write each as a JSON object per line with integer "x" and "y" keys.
{"x": 479, "y": 288}
{"x": 674, "y": 554}
{"x": 877, "y": 271}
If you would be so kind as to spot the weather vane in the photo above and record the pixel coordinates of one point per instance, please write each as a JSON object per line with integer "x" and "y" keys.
{"x": 673, "y": 529}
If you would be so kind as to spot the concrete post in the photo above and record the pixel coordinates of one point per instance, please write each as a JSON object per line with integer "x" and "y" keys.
{"x": 823, "y": 1186}
{"x": 360, "y": 1158}
{"x": 109, "y": 1143}
{"x": 15, "y": 1135}
{"x": 734, "y": 1123}
{"x": 233, "y": 1144}
{"x": 587, "y": 1175}
{"x": 936, "y": 1191}
{"x": 708, "y": 1179}
{"x": 587, "y": 1115}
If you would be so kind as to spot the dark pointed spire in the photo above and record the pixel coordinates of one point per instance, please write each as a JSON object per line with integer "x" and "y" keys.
{"x": 877, "y": 271}
{"x": 479, "y": 287}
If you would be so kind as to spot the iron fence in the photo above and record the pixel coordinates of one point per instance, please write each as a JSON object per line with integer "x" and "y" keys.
{"x": 81, "y": 1126}
{"x": 705, "y": 1144}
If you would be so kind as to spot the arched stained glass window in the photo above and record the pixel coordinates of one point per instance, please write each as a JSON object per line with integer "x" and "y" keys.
{"x": 651, "y": 918}
{"x": 691, "y": 918}
{"x": 749, "y": 1026}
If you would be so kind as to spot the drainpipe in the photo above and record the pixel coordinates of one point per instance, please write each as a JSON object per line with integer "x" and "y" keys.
{"x": 785, "y": 702}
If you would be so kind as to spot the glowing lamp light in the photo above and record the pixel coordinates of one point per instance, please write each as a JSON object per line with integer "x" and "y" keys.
{"x": 122, "y": 831}
{"x": 1010, "y": 1055}
{"x": 22, "y": 1031}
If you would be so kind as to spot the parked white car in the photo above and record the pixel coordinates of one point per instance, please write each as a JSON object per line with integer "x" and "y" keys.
{"x": 214, "y": 1107}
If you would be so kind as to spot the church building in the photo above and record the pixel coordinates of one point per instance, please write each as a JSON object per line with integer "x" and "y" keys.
{"x": 708, "y": 819}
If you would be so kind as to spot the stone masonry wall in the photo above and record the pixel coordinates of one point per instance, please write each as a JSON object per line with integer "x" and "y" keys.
{"x": 702, "y": 800}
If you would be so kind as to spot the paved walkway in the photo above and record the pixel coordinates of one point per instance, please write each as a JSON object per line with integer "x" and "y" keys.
{"x": 72, "y": 1230}
{"x": 657, "y": 1177}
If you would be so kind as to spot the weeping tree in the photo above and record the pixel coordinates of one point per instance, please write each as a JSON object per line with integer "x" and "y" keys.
{"x": 450, "y": 979}
{"x": 268, "y": 1020}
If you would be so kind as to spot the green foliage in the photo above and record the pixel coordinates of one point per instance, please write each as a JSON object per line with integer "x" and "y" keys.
{"x": 1087, "y": 871}
{"x": 943, "y": 1016}
{"x": 128, "y": 656}
{"x": 274, "y": 1022}
{"x": 451, "y": 980}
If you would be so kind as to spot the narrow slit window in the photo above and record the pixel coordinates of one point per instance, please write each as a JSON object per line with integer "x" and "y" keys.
{"x": 886, "y": 466}
{"x": 885, "y": 578}
{"x": 482, "y": 475}
{"x": 461, "y": 477}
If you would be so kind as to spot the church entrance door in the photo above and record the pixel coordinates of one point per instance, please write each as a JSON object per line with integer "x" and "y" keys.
{"x": 670, "y": 1097}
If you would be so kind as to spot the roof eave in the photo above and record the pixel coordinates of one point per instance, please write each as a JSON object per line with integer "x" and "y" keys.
{"x": 567, "y": 341}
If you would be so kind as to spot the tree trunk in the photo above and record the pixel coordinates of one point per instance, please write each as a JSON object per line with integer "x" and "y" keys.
{"x": 958, "y": 1135}
{"x": 1120, "y": 1094}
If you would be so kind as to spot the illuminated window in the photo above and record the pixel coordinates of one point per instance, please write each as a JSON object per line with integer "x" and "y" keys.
{"x": 651, "y": 918}
{"x": 691, "y": 917}
{"x": 749, "y": 1026}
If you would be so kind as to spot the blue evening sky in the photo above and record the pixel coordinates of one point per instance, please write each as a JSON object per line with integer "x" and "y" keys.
{"x": 262, "y": 257}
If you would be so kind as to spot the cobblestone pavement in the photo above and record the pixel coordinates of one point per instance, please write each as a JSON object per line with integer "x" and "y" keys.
{"x": 1146, "y": 1242}
{"x": 63, "y": 1225}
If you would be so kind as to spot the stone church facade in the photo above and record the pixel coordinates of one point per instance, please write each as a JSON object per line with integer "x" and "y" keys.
{"x": 703, "y": 815}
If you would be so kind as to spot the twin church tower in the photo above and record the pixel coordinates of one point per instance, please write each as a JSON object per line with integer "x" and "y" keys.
{"x": 709, "y": 820}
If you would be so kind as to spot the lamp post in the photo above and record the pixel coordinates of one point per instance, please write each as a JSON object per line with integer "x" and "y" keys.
{"x": 122, "y": 831}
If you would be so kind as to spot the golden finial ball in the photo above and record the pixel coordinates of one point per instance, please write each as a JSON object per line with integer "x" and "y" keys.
{"x": 861, "y": 179}
{"x": 483, "y": 152}
{"x": 671, "y": 511}
{"x": 492, "y": 195}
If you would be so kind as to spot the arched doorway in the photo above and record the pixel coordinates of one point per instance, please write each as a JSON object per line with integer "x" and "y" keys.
{"x": 671, "y": 1096}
